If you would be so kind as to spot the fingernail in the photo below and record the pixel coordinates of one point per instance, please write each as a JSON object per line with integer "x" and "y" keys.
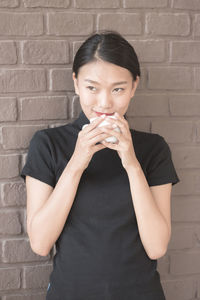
{"x": 103, "y": 116}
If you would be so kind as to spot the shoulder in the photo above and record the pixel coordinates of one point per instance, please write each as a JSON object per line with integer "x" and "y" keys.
{"x": 148, "y": 138}
{"x": 51, "y": 133}
{"x": 149, "y": 146}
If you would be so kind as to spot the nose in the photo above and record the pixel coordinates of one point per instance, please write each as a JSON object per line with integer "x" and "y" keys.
{"x": 105, "y": 100}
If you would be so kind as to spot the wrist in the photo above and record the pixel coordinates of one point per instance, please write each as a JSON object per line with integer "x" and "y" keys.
{"x": 73, "y": 167}
{"x": 134, "y": 167}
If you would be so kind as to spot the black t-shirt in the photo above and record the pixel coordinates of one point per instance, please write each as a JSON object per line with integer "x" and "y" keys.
{"x": 99, "y": 253}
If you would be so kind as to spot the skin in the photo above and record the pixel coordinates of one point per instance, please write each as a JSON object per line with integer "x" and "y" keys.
{"x": 106, "y": 96}
{"x": 48, "y": 207}
{"x": 151, "y": 204}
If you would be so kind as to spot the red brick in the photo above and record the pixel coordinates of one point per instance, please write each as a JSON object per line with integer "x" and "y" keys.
{"x": 10, "y": 278}
{"x": 168, "y": 24}
{"x": 97, "y": 4}
{"x": 17, "y": 137}
{"x": 186, "y": 52}
{"x": 47, "y": 3}
{"x": 181, "y": 237}
{"x": 8, "y": 52}
{"x": 45, "y": 52}
{"x": 143, "y": 80}
{"x": 1, "y": 251}
{"x": 143, "y": 124}
{"x": 170, "y": 78}
{"x": 186, "y": 156}
{"x": 10, "y": 222}
{"x": 148, "y": 105}
{"x": 185, "y": 4}
{"x": 9, "y": 166}
{"x": 61, "y": 23}
{"x": 145, "y": 3}
{"x": 186, "y": 209}
{"x": 183, "y": 263}
{"x": 76, "y": 46}
{"x": 189, "y": 182}
{"x": 22, "y": 80}
{"x": 179, "y": 289}
{"x": 184, "y": 105}
{"x": 198, "y": 288}
{"x": 197, "y": 235}
{"x": 28, "y": 24}
{"x": 197, "y": 78}
{"x": 31, "y": 296}
{"x": 37, "y": 276}
{"x": 125, "y": 23}
{"x": 197, "y": 25}
{"x": 149, "y": 51}
{"x": 8, "y": 109}
{"x": 9, "y": 3}
{"x": 174, "y": 131}
{"x": 44, "y": 108}
{"x": 13, "y": 194}
{"x": 19, "y": 250}
{"x": 76, "y": 108}
{"x": 163, "y": 265}
{"x": 61, "y": 80}
{"x": 198, "y": 131}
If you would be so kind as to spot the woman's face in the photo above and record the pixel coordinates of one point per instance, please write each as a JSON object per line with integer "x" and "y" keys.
{"x": 104, "y": 87}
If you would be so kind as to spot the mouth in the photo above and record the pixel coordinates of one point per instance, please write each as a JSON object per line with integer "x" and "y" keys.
{"x": 100, "y": 113}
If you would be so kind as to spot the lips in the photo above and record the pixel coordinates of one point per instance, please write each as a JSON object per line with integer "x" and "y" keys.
{"x": 107, "y": 114}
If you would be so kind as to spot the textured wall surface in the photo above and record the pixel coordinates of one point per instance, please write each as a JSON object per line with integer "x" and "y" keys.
{"x": 38, "y": 40}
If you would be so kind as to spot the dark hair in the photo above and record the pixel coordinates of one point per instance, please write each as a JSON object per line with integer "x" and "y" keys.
{"x": 109, "y": 46}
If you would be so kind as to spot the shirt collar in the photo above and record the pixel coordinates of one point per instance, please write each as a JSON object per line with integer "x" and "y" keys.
{"x": 81, "y": 120}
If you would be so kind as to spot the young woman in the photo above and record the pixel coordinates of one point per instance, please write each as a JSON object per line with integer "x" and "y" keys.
{"x": 105, "y": 205}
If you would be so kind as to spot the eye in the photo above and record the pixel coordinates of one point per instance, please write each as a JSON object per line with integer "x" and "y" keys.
{"x": 117, "y": 89}
{"x": 91, "y": 88}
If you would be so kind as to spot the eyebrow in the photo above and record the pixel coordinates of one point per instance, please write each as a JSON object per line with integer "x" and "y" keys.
{"x": 114, "y": 83}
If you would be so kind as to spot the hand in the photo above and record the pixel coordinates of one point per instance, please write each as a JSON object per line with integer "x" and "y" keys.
{"x": 86, "y": 143}
{"x": 124, "y": 146}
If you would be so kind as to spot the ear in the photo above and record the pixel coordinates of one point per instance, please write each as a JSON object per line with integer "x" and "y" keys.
{"x": 75, "y": 83}
{"x": 135, "y": 85}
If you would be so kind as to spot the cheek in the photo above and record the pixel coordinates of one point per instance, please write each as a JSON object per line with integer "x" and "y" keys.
{"x": 86, "y": 98}
{"x": 123, "y": 101}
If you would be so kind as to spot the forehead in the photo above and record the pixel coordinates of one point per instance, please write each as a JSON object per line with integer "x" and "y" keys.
{"x": 104, "y": 72}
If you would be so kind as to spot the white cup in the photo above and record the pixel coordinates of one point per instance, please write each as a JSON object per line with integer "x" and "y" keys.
{"x": 110, "y": 139}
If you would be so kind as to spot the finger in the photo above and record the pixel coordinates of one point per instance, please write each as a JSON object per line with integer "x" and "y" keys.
{"x": 99, "y": 147}
{"x": 94, "y": 133}
{"x": 118, "y": 123}
{"x": 113, "y": 146}
{"x": 112, "y": 132}
{"x": 98, "y": 138}
{"x": 117, "y": 120}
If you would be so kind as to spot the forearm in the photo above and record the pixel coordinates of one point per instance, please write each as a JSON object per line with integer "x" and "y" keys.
{"x": 153, "y": 229}
{"x": 48, "y": 223}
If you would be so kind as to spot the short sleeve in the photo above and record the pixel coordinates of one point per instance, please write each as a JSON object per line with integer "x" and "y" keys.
{"x": 161, "y": 169}
{"x": 39, "y": 162}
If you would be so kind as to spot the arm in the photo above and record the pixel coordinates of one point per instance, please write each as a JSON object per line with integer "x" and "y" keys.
{"x": 151, "y": 204}
{"x": 152, "y": 209}
{"x": 48, "y": 208}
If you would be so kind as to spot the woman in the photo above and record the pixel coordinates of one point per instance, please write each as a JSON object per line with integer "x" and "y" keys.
{"x": 105, "y": 205}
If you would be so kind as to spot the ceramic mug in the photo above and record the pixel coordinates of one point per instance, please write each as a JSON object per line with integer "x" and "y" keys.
{"x": 110, "y": 139}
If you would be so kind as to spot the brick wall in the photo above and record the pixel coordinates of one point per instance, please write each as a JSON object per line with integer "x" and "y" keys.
{"x": 38, "y": 40}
